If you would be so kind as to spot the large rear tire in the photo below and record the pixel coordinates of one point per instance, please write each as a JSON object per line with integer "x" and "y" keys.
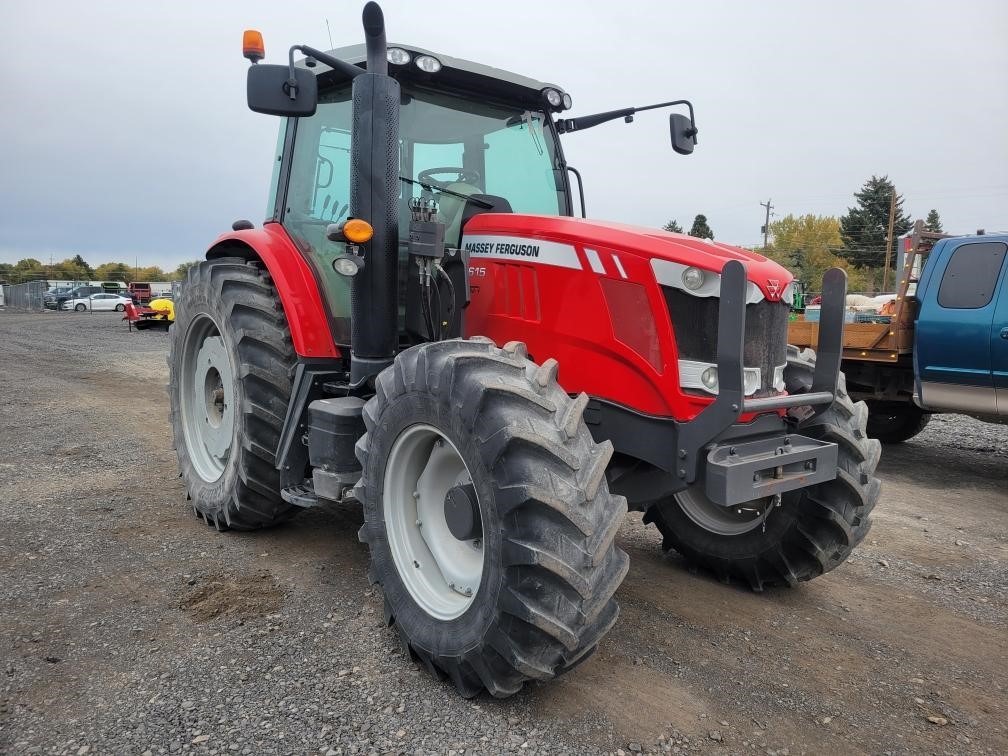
{"x": 895, "y": 422}
{"x": 230, "y": 369}
{"x": 813, "y": 530}
{"x": 538, "y": 596}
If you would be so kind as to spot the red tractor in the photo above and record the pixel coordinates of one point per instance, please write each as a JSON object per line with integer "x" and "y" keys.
{"x": 424, "y": 327}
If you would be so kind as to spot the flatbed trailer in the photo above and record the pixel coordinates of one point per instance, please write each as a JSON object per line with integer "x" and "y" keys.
{"x": 880, "y": 342}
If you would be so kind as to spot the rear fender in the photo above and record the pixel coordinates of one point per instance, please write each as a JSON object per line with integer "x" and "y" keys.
{"x": 294, "y": 280}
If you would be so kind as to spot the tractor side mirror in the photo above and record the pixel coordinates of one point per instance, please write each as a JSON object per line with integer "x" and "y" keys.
{"x": 683, "y": 133}
{"x": 269, "y": 91}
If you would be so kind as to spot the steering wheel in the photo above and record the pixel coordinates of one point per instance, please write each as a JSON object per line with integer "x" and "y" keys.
{"x": 462, "y": 175}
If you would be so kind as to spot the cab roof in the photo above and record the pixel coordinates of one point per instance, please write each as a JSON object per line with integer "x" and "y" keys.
{"x": 455, "y": 73}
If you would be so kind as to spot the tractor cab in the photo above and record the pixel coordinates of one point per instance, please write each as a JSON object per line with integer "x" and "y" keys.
{"x": 465, "y": 130}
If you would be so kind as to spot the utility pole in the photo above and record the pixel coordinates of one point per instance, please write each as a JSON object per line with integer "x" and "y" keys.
{"x": 766, "y": 224}
{"x": 889, "y": 241}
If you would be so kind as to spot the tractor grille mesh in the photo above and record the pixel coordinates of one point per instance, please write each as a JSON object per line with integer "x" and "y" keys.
{"x": 695, "y": 320}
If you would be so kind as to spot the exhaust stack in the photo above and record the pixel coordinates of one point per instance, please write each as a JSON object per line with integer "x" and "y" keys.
{"x": 374, "y": 192}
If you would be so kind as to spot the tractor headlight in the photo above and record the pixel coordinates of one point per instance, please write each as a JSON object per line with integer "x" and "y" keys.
{"x": 709, "y": 379}
{"x": 750, "y": 381}
{"x": 428, "y": 63}
{"x": 397, "y": 56}
{"x": 347, "y": 265}
{"x": 568, "y": 103}
{"x": 554, "y": 98}
{"x": 693, "y": 278}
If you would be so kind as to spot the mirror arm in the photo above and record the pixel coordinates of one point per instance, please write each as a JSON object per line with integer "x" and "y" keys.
{"x": 567, "y": 125}
{"x": 347, "y": 69}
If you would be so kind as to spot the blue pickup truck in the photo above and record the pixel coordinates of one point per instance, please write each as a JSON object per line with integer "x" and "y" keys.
{"x": 942, "y": 347}
{"x": 961, "y": 337}
{"x": 947, "y": 351}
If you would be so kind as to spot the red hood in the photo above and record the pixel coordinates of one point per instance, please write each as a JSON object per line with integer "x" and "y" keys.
{"x": 769, "y": 276}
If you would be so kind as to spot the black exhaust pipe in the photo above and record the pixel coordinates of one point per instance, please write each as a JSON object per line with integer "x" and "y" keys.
{"x": 374, "y": 192}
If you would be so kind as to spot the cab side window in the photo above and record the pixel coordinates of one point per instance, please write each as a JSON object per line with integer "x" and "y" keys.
{"x": 318, "y": 194}
{"x": 971, "y": 276}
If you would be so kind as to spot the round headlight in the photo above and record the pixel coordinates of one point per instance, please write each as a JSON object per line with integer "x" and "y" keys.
{"x": 554, "y": 98}
{"x": 693, "y": 278}
{"x": 347, "y": 265}
{"x": 568, "y": 103}
{"x": 428, "y": 63}
{"x": 750, "y": 381}
{"x": 397, "y": 56}
{"x": 709, "y": 379}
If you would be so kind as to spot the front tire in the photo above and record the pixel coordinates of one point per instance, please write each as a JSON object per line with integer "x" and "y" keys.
{"x": 542, "y": 594}
{"x": 81, "y": 307}
{"x": 895, "y": 422}
{"x": 813, "y": 530}
{"x": 230, "y": 370}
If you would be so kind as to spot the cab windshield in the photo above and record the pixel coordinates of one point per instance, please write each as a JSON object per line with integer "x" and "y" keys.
{"x": 464, "y": 146}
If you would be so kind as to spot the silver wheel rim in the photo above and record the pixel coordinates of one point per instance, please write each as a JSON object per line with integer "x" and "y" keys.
{"x": 207, "y": 399}
{"x": 728, "y": 521}
{"x": 441, "y": 573}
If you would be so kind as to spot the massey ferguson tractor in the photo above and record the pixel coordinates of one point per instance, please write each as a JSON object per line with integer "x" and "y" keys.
{"x": 422, "y": 326}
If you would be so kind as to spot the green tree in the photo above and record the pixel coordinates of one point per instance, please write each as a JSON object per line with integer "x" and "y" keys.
{"x": 182, "y": 270}
{"x": 151, "y": 273}
{"x": 114, "y": 271}
{"x": 28, "y": 264}
{"x": 865, "y": 226}
{"x": 933, "y": 222}
{"x": 700, "y": 229}
{"x": 27, "y": 269}
{"x": 673, "y": 227}
{"x": 806, "y": 245}
{"x": 71, "y": 270}
{"x": 81, "y": 263}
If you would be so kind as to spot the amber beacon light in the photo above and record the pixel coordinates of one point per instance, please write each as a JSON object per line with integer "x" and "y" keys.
{"x": 252, "y": 45}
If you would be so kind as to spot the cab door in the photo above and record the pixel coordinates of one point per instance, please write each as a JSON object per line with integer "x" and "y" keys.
{"x": 952, "y": 350}
{"x": 999, "y": 346}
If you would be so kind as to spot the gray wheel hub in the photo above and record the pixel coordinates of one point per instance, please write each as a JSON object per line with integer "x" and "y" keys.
{"x": 207, "y": 399}
{"x": 441, "y": 572}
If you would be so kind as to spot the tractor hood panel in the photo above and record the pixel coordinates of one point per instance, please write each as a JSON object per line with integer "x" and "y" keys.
{"x": 770, "y": 277}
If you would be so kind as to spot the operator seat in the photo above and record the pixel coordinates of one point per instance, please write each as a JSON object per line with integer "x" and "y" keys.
{"x": 450, "y": 210}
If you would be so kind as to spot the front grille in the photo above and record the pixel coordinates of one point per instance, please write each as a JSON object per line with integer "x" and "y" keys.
{"x": 695, "y": 324}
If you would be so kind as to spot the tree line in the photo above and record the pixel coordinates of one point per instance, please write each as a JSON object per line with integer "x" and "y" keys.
{"x": 76, "y": 268}
{"x": 808, "y": 245}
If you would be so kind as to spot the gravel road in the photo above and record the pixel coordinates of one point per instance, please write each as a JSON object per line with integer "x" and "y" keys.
{"x": 129, "y": 626}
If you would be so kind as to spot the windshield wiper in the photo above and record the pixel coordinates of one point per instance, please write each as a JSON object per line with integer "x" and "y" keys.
{"x": 432, "y": 188}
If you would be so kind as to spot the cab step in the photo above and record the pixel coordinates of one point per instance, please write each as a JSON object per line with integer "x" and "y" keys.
{"x": 301, "y": 495}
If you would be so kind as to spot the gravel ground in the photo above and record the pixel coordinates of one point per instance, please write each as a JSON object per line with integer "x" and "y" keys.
{"x": 128, "y": 626}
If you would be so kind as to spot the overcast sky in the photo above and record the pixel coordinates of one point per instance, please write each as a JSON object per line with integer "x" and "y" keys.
{"x": 125, "y": 132}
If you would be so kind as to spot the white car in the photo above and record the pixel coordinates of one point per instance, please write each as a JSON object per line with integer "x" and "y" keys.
{"x": 98, "y": 302}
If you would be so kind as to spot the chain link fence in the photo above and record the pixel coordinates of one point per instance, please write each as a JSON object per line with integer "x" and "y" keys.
{"x": 25, "y": 296}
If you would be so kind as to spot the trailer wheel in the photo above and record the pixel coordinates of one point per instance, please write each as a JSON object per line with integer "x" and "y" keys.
{"x": 811, "y": 532}
{"x": 487, "y": 514}
{"x": 230, "y": 370}
{"x": 895, "y": 422}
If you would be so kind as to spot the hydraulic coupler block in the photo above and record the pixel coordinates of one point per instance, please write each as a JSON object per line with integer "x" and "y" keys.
{"x": 426, "y": 233}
